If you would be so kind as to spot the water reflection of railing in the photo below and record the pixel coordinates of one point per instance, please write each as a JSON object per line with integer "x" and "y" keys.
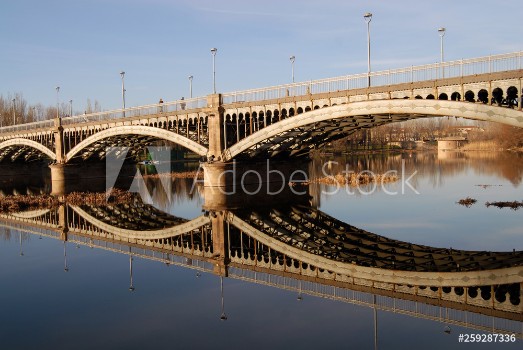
{"x": 438, "y": 313}
{"x": 248, "y": 255}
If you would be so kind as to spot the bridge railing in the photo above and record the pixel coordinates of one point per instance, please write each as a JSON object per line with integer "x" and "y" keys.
{"x": 167, "y": 107}
{"x": 157, "y": 108}
{"x": 44, "y": 124}
{"x": 451, "y": 69}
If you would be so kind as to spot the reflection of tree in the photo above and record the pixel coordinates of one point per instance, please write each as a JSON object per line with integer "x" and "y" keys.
{"x": 506, "y": 165}
{"x": 7, "y": 234}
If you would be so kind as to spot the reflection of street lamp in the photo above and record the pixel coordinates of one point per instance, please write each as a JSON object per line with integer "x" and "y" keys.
{"x": 66, "y": 269}
{"x": 21, "y": 248}
{"x": 300, "y": 297}
{"x": 292, "y": 58}
{"x": 223, "y": 317}
{"x": 131, "y": 287}
{"x": 190, "y": 86}
{"x": 213, "y": 52}
{"x": 368, "y": 18}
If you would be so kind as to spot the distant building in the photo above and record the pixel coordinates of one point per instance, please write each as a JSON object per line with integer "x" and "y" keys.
{"x": 451, "y": 143}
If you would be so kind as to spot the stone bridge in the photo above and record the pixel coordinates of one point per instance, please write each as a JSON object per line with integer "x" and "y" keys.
{"x": 282, "y": 121}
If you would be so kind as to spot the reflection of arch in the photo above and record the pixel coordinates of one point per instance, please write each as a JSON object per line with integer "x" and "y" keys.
{"x": 146, "y": 235}
{"x": 448, "y": 279}
{"x": 359, "y": 111}
{"x": 31, "y": 214}
{"x": 29, "y": 143}
{"x": 138, "y": 130}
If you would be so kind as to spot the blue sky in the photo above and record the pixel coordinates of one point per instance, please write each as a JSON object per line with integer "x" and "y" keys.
{"x": 83, "y": 45}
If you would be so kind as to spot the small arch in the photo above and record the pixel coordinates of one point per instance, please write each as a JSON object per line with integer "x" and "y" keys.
{"x": 483, "y": 96}
{"x": 308, "y": 109}
{"x": 512, "y": 96}
{"x": 497, "y": 96}
{"x": 300, "y": 110}
{"x": 456, "y": 96}
{"x": 430, "y": 97}
{"x": 469, "y": 96}
{"x": 291, "y": 112}
{"x": 443, "y": 96}
{"x": 418, "y": 97}
{"x": 276, "y": 115}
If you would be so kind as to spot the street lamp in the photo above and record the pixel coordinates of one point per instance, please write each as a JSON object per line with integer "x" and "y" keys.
{"x": 441, "y": 32}
{"x": 292, "y": 58}
{"x": 57, "y": 102}
{"x": 70, "y": 108}
{"x": 190, "y": 86}
{"x": 34, "y": 113}
{"x": 14, "y": 112}
{"x": 122, "y": 74}
{"x": 213, "y": 52}
{"x": 368, "y": 17}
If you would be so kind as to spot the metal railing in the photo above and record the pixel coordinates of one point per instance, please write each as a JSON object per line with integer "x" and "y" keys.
{"x": 157, "y": 108}
{"x": 167, "y": 107}
{"x": 451, "y": 69}
{"x": 44, "y": 124}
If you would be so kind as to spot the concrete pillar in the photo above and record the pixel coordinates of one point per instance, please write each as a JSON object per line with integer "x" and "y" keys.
{"x": 215, "y": 116}
{"x": 64, "y": 179}
{"x": 59, "y": 141}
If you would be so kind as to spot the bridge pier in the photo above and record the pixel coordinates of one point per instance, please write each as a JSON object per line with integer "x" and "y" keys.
{"x": 64, "y": 178}
{"x": 241, "y": 184}
{"x": 215, "y": 122}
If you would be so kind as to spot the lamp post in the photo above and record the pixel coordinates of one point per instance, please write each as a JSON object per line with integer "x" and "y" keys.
{"x": 292, "y": 59}
{"x": 441, "y": 32}
{"x": 14, "y": 112}
{"x": 368, "y": 18}
{"x": 70, "y": 108}
{"x": 213, "y": 52}
{"x": 34, "y": 113}
{"x": 57, "y": 102}
{"x": 190, "y": 86}
{"x": 122, "y": 74}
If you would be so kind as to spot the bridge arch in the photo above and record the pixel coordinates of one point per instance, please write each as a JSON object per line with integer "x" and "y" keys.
{"x": 375, "y": 113}
{"x": 137, "y": 130}
{"x": 28, "y": 143}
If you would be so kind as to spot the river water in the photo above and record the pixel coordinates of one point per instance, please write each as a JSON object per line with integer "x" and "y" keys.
{"x": 60, "y": 295}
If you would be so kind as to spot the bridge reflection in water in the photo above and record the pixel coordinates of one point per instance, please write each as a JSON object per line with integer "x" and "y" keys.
{"x": 299, "y": 248}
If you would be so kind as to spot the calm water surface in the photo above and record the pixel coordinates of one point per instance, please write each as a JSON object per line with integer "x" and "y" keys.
{"x": 90, "y": 306}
